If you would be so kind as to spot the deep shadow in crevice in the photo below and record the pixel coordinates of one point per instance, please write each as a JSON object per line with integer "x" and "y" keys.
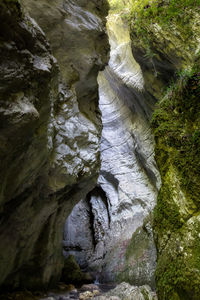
{"x": 97, "y": 192}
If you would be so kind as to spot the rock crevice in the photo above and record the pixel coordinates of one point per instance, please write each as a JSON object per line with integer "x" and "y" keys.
{"x": 50, "y": 129}
{"x": 128, "y": 175}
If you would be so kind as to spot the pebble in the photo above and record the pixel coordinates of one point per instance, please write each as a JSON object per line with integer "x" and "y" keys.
{"x": 86, "y": 295}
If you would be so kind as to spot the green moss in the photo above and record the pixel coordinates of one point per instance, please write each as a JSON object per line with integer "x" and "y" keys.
{"x": 166, "y": 213}
{"x": 178, "y": 269}
{"x": 138, "y": 243}
{"x": 164, "y": 13}
{"x": 176, "y": 125}
{"x": 151, "y": 20}
{"x": 140, "y": 249}
{"x": 145, "y": 294}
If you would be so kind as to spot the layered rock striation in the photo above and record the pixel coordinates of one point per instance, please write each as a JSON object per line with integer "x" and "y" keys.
{"x": 115, "y": 239}
{"x": 50, "y": 129}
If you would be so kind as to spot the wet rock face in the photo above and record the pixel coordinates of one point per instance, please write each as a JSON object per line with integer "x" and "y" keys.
{"x": 50, "y": 148}
{"x": 119, "y": 207}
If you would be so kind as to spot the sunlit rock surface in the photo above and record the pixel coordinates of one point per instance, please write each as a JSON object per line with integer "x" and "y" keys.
{"x": 116, "y": 214}
{"x": 49, "y": 144}
{"x": 122, "y": 61}
{"x": 167, "y": 48}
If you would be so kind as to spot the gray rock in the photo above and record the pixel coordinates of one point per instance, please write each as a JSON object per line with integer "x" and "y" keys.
{"x": 89, "y": 287}
{"x": 106, "y": 297}
{"x": 48, "y": 298}
{"x": 50, "y": 130}
{"x": 125, "y": 291}
{"x": 121, "y": 204}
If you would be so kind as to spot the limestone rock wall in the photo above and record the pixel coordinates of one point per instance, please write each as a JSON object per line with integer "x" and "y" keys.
{"x": 76, "y": 31}
{"x": 169, "y": 57}
{"x": 50, "y": 130}
{"x": 120, "y": 206}
{"x": 164, "y": 47}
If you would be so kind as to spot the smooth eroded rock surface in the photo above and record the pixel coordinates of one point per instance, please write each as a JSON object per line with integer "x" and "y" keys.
{"x": 115, "y": 216}
{"x": 49, "y": 144}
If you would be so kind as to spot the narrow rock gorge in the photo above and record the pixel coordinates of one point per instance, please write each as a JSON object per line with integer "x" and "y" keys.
{"x": 99, "y": 149}
{"x": 117, "y": 213}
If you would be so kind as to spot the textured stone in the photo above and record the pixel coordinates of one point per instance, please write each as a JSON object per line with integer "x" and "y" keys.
{"x": 88, "y": 295}
{"x": 89, "y": 287}
{"x": 176, "y": 216}
{"x": 168, "y": 47}
{"x": 125, "y": 291}
{"x": 50, "y": 144}
{"x": 128, "y": 181}
{"x": 79, "y": 239}
{"x": 72, "y": 272}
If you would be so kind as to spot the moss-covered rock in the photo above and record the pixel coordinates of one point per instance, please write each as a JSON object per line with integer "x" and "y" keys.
{"x": 73, "y": 274}
{"x": 178, "y": 269}
{"x": 176, "y": 124}
{"x": 165, "y": 38}
{"x": 140, "y": 257}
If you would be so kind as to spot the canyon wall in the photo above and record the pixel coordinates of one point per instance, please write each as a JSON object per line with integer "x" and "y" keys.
{"x": 110, "y": 232}
{"x": 50, "y": 129}
{"x": 60, "y": 144}
{"x": 165, "y": 42}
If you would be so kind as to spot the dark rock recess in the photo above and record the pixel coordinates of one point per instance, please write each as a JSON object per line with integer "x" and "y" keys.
{"x": 49, "y": 129}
